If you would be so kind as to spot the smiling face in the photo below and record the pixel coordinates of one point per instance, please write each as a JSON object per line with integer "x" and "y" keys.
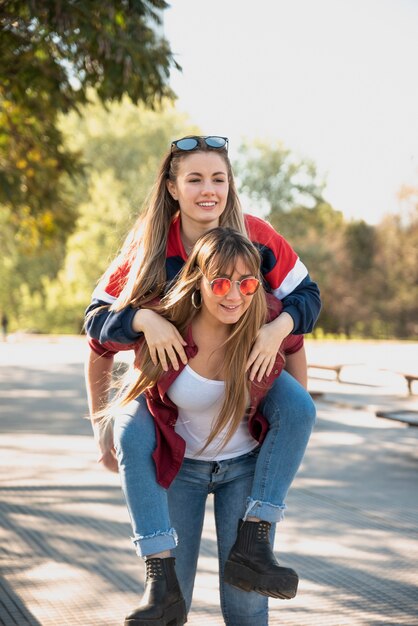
{"x": 230, "y": 308}
{"x": 201, "y": 189}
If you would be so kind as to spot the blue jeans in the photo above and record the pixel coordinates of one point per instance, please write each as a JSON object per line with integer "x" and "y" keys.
{"x": 291, "y": 415}
{"x": 230, "y": 482}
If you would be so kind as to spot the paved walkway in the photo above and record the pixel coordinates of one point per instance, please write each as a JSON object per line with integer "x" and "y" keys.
{"x": 350, "y": 531}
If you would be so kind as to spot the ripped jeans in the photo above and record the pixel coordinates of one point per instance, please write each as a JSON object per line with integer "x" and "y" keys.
{"x": 291, "y": 414}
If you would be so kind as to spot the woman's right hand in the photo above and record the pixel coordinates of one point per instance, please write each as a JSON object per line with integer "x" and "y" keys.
{"x": 103, "y": 436}
{"x": 163, "y": 339}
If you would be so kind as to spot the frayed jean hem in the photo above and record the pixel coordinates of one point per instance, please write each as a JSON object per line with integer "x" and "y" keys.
{"x": 264, "y": 511}
{"x": 157, "y": 542}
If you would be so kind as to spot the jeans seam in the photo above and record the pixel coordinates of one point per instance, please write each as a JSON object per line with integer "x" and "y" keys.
{"x": 221, "y": 569}
{"x": 272, "y": 442}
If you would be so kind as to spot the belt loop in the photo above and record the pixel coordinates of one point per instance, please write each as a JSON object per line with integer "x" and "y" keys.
{"x": 216, "y": 467}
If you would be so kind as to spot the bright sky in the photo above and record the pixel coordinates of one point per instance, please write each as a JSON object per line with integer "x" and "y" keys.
{"x": 334, "y": 80}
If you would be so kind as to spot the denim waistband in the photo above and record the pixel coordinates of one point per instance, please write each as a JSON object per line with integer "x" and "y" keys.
{"x": 214, "y": 464}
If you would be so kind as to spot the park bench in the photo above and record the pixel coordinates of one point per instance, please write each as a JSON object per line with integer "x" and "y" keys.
{"x": 334, "y": 368}
{"x": 401, "y": 415}
{"x": 410, "y": 378}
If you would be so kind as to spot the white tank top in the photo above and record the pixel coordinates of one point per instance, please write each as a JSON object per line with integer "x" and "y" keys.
{"x": 199, "y": 401}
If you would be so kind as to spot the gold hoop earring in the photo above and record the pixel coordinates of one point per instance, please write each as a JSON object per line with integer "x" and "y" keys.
{"x": 197, "y": 305}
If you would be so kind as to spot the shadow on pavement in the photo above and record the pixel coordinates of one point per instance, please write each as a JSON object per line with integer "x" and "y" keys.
{"x": 12, "y": 609}
{"x": 350, "y": 532}
{"x": 49, "y": 401}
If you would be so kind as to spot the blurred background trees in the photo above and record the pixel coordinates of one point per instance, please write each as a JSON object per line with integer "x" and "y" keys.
{"x": 368, "y": 275}
{"x": 121, "y": 146}
{"x": 52, "y": 53}
{"x": 85, "y": 115}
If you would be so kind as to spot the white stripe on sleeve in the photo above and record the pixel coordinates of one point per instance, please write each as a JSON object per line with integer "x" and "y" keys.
{"x": 100, "y": 294}
{"x": 292, "y": 280}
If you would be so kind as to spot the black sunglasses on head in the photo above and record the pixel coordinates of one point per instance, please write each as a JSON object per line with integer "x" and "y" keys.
{"x": 191, "y": 143}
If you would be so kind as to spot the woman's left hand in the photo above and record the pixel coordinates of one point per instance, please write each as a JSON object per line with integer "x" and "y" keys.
{"x": 263, "y": 355}
{"x": 266, "y": 346}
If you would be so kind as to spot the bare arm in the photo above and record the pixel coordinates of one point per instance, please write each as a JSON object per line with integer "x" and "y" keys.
{"x": 98, "y": 375}
{"x": 297, "y": 366}
{"x": 267, "y": 344}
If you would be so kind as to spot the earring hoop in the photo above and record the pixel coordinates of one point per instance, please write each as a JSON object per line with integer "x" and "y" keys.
{"x": 197, "y": 305}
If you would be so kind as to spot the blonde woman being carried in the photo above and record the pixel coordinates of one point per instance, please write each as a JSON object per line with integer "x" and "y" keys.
{"x": 194, "y": 193}
{"x": 204, "y": 434}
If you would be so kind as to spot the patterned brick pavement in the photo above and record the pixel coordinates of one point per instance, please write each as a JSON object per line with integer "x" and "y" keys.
{"x": 350, "y": 531}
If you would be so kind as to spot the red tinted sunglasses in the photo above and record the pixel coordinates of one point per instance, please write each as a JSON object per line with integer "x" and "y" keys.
{"x": 222, "y": 286}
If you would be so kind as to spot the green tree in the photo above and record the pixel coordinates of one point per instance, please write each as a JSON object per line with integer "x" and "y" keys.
{"x": 395, "y": 285}
{"x": 122, "y": 145}
{"x": 356, "y": 306}
{"x": 288, "y": 191}
{"x": 53, "y": 53}
{"x": 317, "y": 235}
{"x": 276, "y": 179}
{"x": 368, "y": 275}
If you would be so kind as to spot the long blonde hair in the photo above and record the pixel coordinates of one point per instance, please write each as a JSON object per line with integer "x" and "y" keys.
{"x": 214, "y": 254}
{"x": 145, "y": 247}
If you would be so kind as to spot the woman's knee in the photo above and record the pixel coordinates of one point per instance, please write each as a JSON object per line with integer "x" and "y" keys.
{"x": 288, "y": 400}
{"x": 134, "y": 430}
{"x": 305, "y": 407}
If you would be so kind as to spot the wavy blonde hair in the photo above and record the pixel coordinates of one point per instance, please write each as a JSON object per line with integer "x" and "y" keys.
{"x": 145, "y": 248}
{"x": 215, "y": 254}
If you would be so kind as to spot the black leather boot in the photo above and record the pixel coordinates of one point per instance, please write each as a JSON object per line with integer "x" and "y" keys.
{"x": 162, "y": 603}
{"x": 252, "y": 566}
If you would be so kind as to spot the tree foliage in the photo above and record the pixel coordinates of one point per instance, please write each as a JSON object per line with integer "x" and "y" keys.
{"x": 53, "y": 54}
{"x": 368, "y": 275}
{"x": 274, "y": 177}
{"x": 395, "y": 285}
{"x": 121, "y": 145}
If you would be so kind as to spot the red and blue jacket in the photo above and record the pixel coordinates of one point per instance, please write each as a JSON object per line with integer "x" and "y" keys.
{"x": 284, "y": 275}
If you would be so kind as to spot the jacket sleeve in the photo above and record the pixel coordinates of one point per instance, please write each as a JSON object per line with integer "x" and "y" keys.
{"x": 304, "y": 305}
{"x": 114, "y": 326}
{"x": 292, "y": 344}
{"x": 109, "y": 349}
{"x": 104, "y": 325}
{"x": 286, "y": 275}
